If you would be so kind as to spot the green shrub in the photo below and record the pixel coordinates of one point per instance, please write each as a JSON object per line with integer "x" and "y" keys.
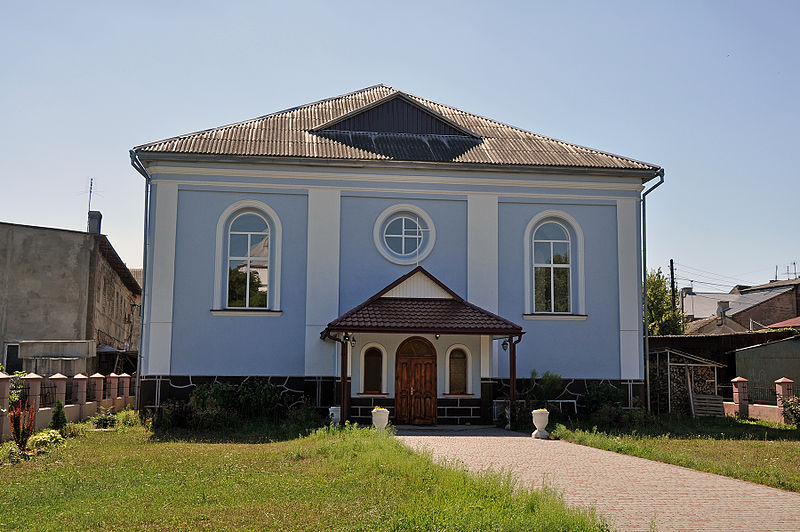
{"x": 72, "y": 430}
{"x": 46, "y": 440}
{"x": 128, "y": 418}
{"x": 791, "y": 409}
{"x": 104, "y": 420}
{"x": 599, "y": 395}
{"x": 59, "y": 419}
{"x": 548, "y": 387}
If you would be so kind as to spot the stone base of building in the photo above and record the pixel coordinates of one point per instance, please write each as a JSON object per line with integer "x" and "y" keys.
{"x": 323, "y": 392}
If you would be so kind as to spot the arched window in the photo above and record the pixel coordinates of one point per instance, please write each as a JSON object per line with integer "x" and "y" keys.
{"x": 458, "y": 371}
{"x": 248, "y": 262}
{"x": 248, "y": 258}
{"x": 551, "y": 268}
{"x": 373, "y": 371}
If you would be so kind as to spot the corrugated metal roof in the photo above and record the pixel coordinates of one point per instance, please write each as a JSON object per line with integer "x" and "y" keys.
{"x": 704, "y": 304}
{"x": 293, "y": 133}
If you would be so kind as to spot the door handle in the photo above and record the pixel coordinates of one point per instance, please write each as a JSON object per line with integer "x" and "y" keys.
{"x": 412, "y": 390}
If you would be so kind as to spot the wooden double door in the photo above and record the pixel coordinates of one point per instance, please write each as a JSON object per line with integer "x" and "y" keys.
{"x": 415, "y": 383}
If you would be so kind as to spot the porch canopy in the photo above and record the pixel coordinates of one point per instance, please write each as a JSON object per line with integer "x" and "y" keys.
{"x": 419, "y": 303}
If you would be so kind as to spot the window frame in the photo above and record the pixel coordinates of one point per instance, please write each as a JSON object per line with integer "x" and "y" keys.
{"x": 382, "y": 350}
{"x": 248, "y": 259}
{"x": 224, "y": 223}
{"x": 552, "y": 266}
{"x": 468, "y": 368}
{"x": 577, "y": 270}
{"x": 413, "y": 212}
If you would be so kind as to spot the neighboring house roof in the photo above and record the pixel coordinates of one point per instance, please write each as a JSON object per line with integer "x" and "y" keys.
{"x": 383, "y": 123}
{"x": 443, "y": 311}
{"x": 108, "y": 252}
{"x": 710, "y": 326}
{"x": 137, "y": 274}
{"x": 771, "y": 284}
{"x": 791, "y": 322}
{"x": 704, "y": 304}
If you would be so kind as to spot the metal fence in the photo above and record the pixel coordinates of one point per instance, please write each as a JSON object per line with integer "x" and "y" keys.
{"x": 762, "y": 395}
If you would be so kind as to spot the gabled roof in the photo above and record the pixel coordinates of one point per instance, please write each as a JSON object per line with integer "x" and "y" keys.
{"x": 704, "y": 304}
{"x": 442, "y": 311}
{"x": 383, "y": 123}
{"x": 791, "y": 322}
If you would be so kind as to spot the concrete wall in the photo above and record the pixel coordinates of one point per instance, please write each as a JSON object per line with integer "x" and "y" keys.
{"x": 44, "y": 276}
{"x": 113, "y": 320}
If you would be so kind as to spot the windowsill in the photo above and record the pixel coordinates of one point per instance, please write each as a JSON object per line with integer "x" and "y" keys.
{"x": 555, "y": 317}
{"x": 459, "y": 395}
{"x": 372, "y": 394}
{"x": 245, "y": 312}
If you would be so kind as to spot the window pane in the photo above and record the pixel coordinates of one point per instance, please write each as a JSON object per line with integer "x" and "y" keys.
{"x": 395, "y": 243}
{"x": 561, "y": 252}
{"x": 458, "y": 371}
{"x": 395, "y": 228}
{"x": 561, "y": 289}
{"x": 410, "y": 226}
{"x": 259, "y": 245}
{"x": 541, "y": 252}
{"x": 238, "y": 246}
{"x": 249, "y": 223}
{"x": 411, "y": 245}
{"x": 259, "y": 279}
{"x": 541, "y": 281}
{"x": 237, "y": 283}
{"x": 372, "y": 371}
{"x": 551, "y": 231}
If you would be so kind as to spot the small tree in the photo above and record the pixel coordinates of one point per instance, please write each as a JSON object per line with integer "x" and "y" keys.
{"x": 22, "y": 423}
{"x": 59, "y": 419}
{"x": 663, "y": 320}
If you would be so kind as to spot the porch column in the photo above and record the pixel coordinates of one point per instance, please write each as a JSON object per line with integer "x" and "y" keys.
{"x": 512, "y": 369}
{"x": 344, "y": 399}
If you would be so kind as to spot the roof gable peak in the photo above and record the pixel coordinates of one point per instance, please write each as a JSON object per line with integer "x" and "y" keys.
{"x": 395, "y": 113}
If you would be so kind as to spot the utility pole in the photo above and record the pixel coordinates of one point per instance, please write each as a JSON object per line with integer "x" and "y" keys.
{"x": 672, "y": 283}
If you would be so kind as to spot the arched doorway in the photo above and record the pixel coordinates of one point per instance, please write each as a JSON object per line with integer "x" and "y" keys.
{"x": 415, "y": 382}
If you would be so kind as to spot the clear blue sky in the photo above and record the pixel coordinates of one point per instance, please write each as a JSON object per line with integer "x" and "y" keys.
{"x": 708, "y": 90}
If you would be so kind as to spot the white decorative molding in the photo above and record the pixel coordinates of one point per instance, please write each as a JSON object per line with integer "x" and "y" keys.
{"x": 554, "y": 317}
{"x": 580, "y": 280}
{"x": 276, "y": 238}
{"x": 483, "y": 251}
{"x": 379, "y": 347}
{"x": 254, "y": 312}
{"x": 447, "y": 367}
{"x": 427, "y": 246}
{"x": 418, "y": 285}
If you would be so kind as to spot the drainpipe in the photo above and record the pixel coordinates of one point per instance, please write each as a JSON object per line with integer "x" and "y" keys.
{"x": 137, "y": 164}
{"x": 660, "y": 174}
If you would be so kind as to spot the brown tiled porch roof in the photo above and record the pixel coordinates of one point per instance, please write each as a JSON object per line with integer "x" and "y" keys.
{"x": 421, "y": 315}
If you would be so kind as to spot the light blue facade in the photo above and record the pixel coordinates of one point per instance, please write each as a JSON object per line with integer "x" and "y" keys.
{"x": 189, "y": 199}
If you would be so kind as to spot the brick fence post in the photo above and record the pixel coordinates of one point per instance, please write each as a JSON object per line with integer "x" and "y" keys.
{"x": 96, "y": 386}
{"x": 783, "y": 389}
{"x": 125, "y": 385}
{"x": 60, "y": 384}
{"x": 740, "y": 396}
{"x": 79, "y": 382}
{"x": 33, "y": 389}
{"x": 113, "y": 385}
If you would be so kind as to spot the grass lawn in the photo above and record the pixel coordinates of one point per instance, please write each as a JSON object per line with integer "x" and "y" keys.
{"x": 340, "y": 479}
{"x": 758, "y": 451}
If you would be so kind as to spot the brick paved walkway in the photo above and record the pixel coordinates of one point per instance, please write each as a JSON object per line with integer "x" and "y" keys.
{"x": 630, "y": 492}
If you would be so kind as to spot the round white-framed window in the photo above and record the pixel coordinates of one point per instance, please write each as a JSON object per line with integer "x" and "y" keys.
{"x": 404, "y": 234}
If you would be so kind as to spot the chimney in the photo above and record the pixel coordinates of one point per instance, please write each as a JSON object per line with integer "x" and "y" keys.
{"x": 722, "y": 307}
{"x": 95, "y": 217}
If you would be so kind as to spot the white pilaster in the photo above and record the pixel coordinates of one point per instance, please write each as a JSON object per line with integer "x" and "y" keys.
{"x": 322, "y": 278}
{"x": 159, "y": 347}
{"x": 630, "y": 307}
{"x": 482, "y": 251}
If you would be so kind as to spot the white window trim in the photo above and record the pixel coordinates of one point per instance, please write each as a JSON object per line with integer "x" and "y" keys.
{"x": 248, "y": 259}
{"x": 220, "y": 300}
{"x": 578, "y": 263}
{"x": 382, "y": 349}
{"x": 447, "y": 367}
{"x": 380, "y": 245}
